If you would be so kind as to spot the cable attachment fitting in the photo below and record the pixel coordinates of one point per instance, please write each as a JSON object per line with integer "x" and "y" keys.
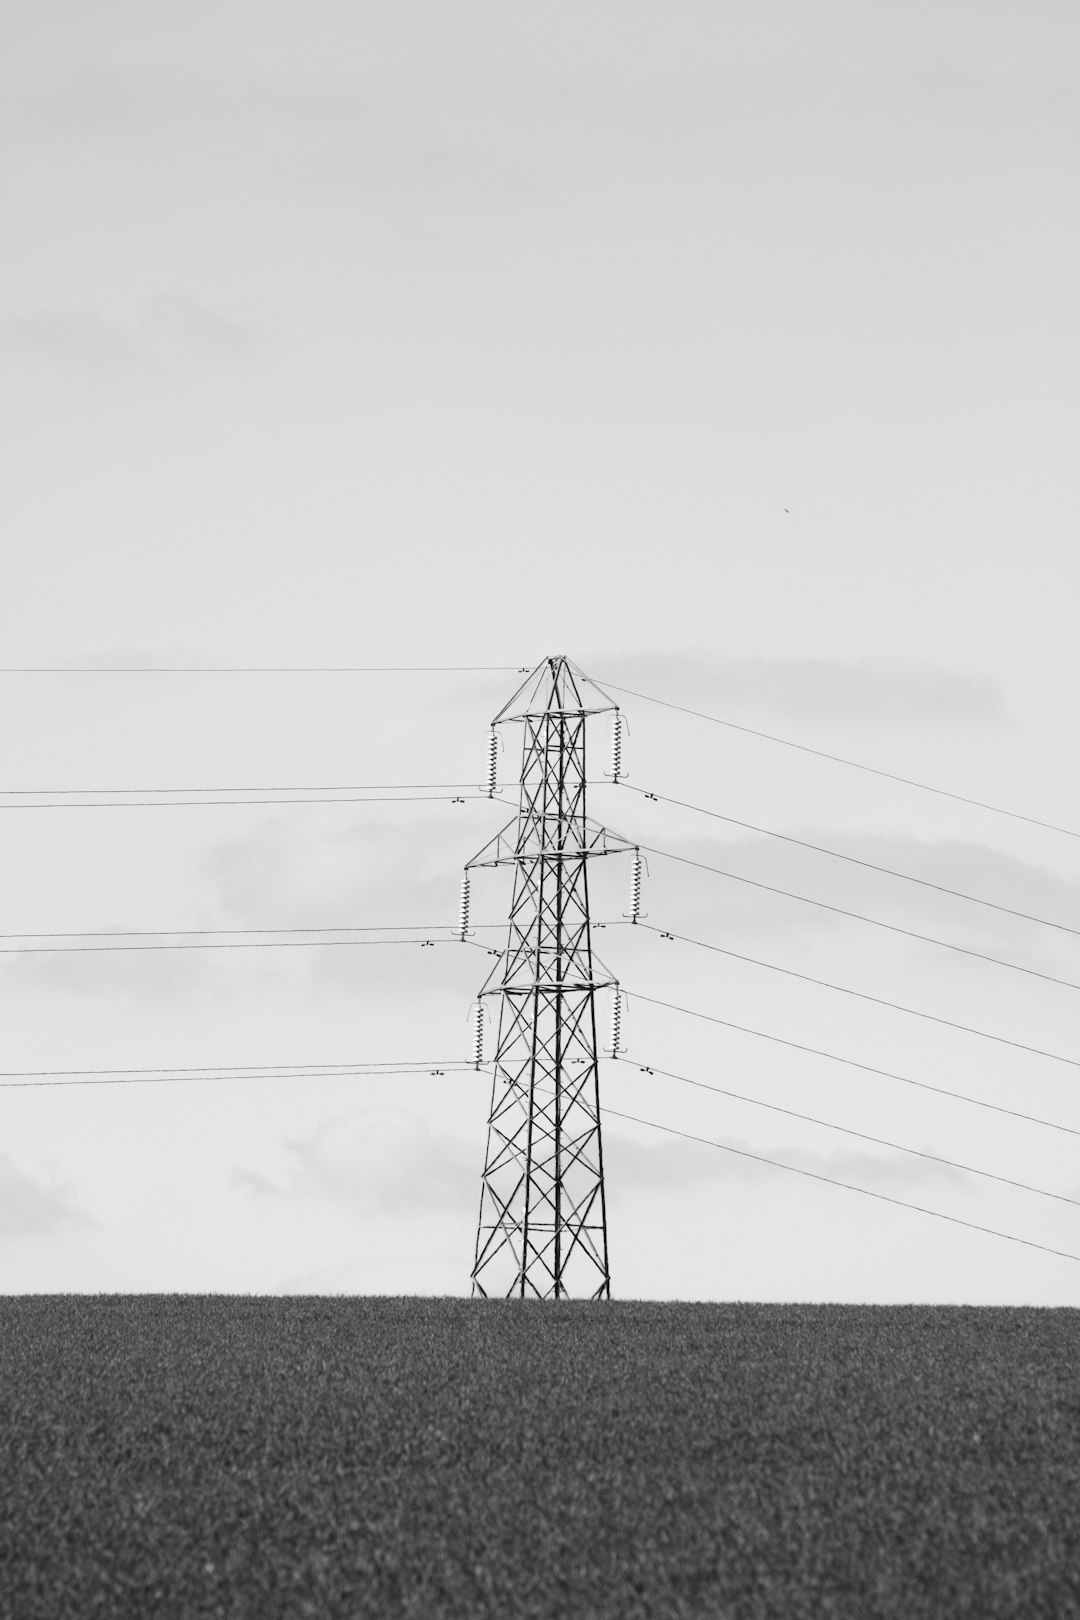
{"x": 637, "y": 865}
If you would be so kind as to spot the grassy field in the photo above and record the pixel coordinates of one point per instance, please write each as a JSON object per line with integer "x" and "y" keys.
{"x": 189, "y": 1456}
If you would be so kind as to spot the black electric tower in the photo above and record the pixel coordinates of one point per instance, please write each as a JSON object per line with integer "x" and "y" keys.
{"x": 543, "y": 1221}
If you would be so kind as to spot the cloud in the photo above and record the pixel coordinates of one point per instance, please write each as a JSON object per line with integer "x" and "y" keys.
{"x": 134, "y": 973}
{"x": 675, "y": 1164}
{"x": 684, "y": 898}
{"x": 122, "y": 656}
{"x": 866, "y": 691}
{"x": 176, "y": 325}
{"x": 399, "y": 150}
{"x": 966, "y": 868}
{"x": 305, "y": 868}
{"x": 172, "y": 328}
{"x": 312, "y": 869}
{"x": 28, "y": 1207}
{"x": 316, "y": 870}
{"x": 391, "y": 145}
{"x": 71, "y": 339}
{"x": 320, "y": 870}
{"x": 253, "y": 1181}
{"x": 376, "y": 1161}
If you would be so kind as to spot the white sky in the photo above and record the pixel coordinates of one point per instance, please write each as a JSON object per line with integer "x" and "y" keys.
{"x": 731, "y": 349}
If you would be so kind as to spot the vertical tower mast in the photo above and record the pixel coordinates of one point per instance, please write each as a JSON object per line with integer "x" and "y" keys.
{"x": 543, "y": 1221}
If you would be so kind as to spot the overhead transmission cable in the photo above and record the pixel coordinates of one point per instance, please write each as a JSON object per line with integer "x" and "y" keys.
{"x": 858, "y": 916}
{"x": 861, "y": 995}
{"x": 320, "y": 787}
{"x": 169, "y": 933}
{"x": 48, "y": 1078}
{"x": 220, "y": 945}
{"x": 352, "y": 1064}
{"x": 863, "y": 1136}
{"x": 832, "y": 1181}
{"x": 181, "y": 804}
{"x": 866, "y": 1068}
{"x": 852, "y": 860}
{"x": 266, "y": 669}
{"x": 839, "y": 759}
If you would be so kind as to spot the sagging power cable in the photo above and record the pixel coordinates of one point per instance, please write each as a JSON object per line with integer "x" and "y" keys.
{"x": 852, "y": 1063}
{"x": 219, "y": 945}
{"x": 267, "y": 669}
{"x": 838, "y": 759}
{"x": 858, "y": 916}
{"x": 48, "y": 1078}
{"x": 852, "y": 860}
{"x": 833, "y": 1181}
{"x": 318, "y": 787}
{"x": 861, "y": 995}
{"x": 426, "y": 929}
{"x": 846, "y": 1130}
{"x": 191, "y": 804}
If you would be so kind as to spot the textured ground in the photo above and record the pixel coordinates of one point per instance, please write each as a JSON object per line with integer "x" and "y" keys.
{"x": 189, "y": 1456}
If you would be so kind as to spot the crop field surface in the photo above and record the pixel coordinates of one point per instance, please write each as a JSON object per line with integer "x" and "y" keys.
{"x": 191, "y": 1456}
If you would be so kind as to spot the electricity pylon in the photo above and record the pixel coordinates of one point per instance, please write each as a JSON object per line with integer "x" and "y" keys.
{"x": 543, "y": 1221}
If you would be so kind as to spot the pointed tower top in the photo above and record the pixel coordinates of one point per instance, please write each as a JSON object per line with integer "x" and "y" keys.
{"x": 555, "y": 687}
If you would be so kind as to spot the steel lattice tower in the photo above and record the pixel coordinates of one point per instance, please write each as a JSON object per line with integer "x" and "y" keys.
{"x": 543, "y": 1222}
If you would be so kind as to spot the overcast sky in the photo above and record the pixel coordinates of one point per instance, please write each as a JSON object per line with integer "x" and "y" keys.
{"x": 731, "y": 349}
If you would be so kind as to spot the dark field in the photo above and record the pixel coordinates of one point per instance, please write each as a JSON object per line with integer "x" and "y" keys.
{"x": 188, "y": 1456}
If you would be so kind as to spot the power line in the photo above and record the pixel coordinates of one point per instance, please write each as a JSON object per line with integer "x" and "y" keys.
{"x": 862, "y": 995}
{"x": 885, "y": 1074}
{"x": 126, "y": 1077}
{"x": 879, "y": 1141}
{"x": 214, "y": 945}
{"x": 325, "y": 787}
{"x": 180, "y": 804}
{"x": 858, "y": 916}
{"x": 355, "y": 1065}
{"x": 853, "y": 764}
{"x": 853, "y": 860}
{"x": 169, "y": 933}
{"x": 814, "y": 1175}
{"x": 268, "y": 669}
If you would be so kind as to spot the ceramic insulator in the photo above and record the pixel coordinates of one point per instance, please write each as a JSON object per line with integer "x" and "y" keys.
{"x": 616, "y": 1022}
{"x": 616, "y": 746}
{"x": 478, "y": 1033}
{"x": 635, "y": 886}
